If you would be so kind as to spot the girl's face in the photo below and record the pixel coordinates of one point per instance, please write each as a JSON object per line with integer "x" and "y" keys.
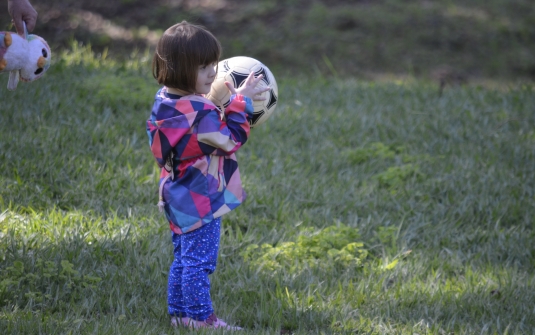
{"x": 205, "y": 78}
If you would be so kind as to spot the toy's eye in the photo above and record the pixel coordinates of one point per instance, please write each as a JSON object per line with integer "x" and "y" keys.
{"x": 44, "y": 52}
{"x": 39, "y": 70}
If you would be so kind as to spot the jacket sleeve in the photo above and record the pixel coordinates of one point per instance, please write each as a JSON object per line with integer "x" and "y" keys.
{"x": 224, "y": 137}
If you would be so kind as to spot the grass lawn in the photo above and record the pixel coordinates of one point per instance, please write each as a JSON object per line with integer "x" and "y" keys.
{"x": 373, "y": 208}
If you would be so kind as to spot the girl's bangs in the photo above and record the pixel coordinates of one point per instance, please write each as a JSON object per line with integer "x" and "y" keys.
{"x": 210, "y": 52}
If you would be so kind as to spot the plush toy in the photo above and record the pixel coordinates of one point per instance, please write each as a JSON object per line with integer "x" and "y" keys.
{"x": 25, "y": 58}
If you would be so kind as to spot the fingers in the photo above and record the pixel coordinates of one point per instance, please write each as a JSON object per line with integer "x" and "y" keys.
{"x": 230, "y": 87}
{"x": 17, "y": 22}
{"x": 259, "y": 98}
{"x": 30, "y": 22}
{"x": 22, "y": 11}
{"x": 263, "y": 89}
{"x": 249, "y": 80}
{"x": 252, "y": 80}
{"x": 250, "y": 88}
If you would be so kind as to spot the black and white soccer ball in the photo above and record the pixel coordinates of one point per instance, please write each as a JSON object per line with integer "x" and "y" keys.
{"x": 235, "y": 70}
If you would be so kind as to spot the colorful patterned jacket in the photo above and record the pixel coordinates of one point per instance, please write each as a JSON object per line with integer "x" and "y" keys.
{"x": 195, "y": 148}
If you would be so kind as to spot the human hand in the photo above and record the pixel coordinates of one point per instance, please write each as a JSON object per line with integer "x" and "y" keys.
{"x": 249, "y": 88}
{"x": 22, "y": 11}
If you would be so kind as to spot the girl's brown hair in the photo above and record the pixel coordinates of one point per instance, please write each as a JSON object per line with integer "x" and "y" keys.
{"x": 179, "y": 53}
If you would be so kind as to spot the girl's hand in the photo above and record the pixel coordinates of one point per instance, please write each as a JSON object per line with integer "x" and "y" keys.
{"x": 249, "y": 89}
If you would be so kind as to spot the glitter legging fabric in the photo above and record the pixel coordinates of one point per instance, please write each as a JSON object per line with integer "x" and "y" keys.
{"x": 188, "y": 292}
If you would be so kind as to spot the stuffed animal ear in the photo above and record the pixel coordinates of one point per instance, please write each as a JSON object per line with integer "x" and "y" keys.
{"x": 13, "y": 80}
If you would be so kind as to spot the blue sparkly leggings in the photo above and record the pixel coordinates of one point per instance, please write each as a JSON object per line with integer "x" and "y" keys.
{"x": 188, "y": 290}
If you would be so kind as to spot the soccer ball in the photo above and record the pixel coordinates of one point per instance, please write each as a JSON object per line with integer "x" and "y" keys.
{"x": 235, "y": 70}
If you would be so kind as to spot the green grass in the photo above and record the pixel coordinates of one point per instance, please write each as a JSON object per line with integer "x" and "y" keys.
{"x": 373, "y": 208}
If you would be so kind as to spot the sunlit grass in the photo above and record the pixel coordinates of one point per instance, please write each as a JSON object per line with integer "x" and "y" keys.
{"x": 377, "y": 208}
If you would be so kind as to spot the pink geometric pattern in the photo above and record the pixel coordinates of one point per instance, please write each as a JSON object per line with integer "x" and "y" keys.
{"x": 189, "y": 134}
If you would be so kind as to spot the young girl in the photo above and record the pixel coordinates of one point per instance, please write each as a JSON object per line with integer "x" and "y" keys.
{"x": 195, "y": 147}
